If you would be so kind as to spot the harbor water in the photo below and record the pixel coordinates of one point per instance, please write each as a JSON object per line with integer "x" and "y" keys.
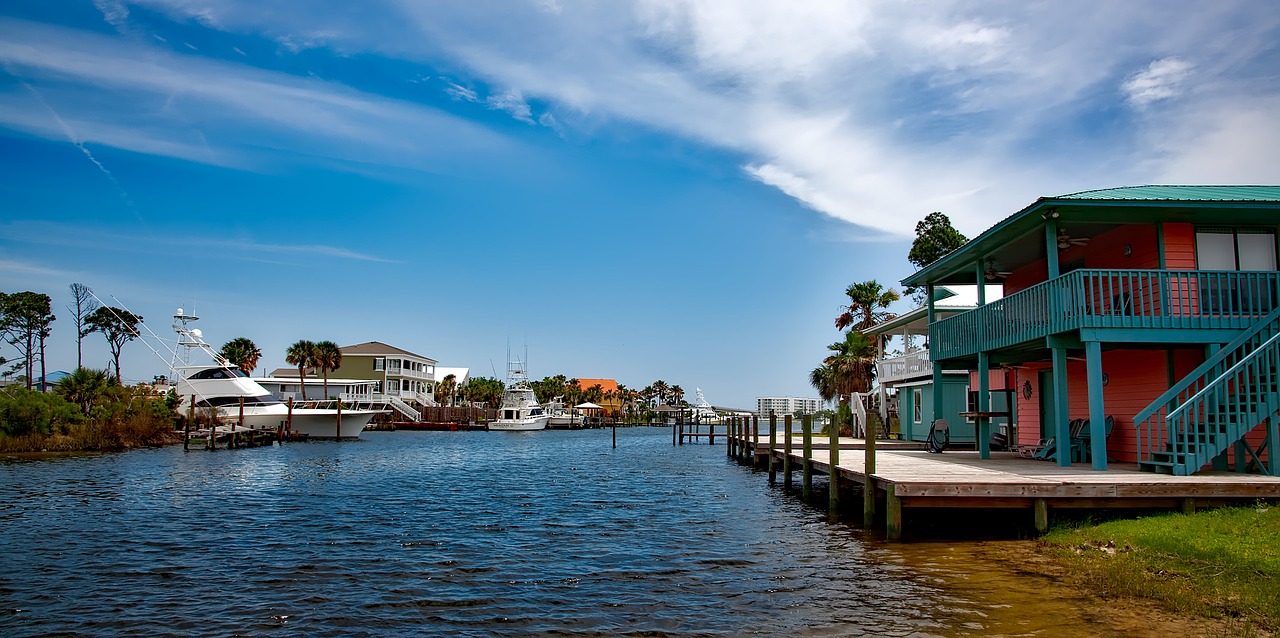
{"x": 471, "y": 534}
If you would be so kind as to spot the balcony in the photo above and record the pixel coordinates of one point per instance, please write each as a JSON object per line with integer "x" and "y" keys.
{"x": 909, "y": 366}
{"x": 1110, "y": 299}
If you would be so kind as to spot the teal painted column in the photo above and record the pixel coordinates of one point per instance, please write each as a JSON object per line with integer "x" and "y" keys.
{"x": 1097, "y": 406}
{"x": 1051, "y": 245}
{"x": 1273, "y": 446}
{"x": 984, "y": 405}
{"x": 984, "y": 369}
{"x": 1061, "y": 417}
{"x": 937, "y": 366}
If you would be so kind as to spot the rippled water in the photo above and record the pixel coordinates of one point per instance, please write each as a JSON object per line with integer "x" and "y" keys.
{"x": 449, "y": 533}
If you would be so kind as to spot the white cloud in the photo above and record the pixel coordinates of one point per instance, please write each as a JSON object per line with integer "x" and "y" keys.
{"x": 459, "y": 92}
{"x": 512, "y": 102}
{"x": 1160, "y": 80}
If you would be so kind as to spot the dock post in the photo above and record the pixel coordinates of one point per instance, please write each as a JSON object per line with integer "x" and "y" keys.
{"x": 191, "y": 416}
{"x": 869, "y": 486}
{"x": 773, "y": 438}
{"x": 786, "y": 451}
{"x": 806, "y": 485}
{"x": 711, "y": 433}
{"x": 892, "y": 513}
{"x": 680, "y": 425}
{"x": 673, "y": 431}
{"x": 338, "y": 434}
{"x": 755, "y": 439}
{"x": 1041, "y": 507}
{"x": 615, "y": 434}
{"x": 288, "y": 419}
{"x": 1188, "y": 506}
{"x": 833, "y": 486}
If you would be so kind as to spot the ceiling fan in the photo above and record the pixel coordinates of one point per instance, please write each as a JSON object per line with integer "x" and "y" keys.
{"x": 993, "y": 272}
{"x": 1066, "y": 241}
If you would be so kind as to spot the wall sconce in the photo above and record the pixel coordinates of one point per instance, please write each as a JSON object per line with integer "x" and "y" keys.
{"x": 1049, "y": 213}
{"x": 1106, "y": 380}
{"x": 1128, "y": 250}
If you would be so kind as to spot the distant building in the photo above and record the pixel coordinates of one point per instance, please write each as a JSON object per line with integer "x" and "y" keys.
{"x": 787, "y": 405}
{"x": 610, "y": 401}
{"x": 396, "y": 374}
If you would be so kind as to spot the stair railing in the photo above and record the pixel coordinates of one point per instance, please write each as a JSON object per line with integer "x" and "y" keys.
{"x": 1222, "y": 412}
{"x": 1152, "y": 422}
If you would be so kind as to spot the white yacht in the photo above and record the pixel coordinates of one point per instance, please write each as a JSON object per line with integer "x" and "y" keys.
{"x": 520, "y": 410}
{"x": 219, "y": 386}
{"x": 564, "y": 416}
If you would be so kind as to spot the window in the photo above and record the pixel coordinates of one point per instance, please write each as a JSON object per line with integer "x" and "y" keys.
{"x": 379, "y": 364}
{"x": 917, "y": 410}
{"x": 1235, "y": 249}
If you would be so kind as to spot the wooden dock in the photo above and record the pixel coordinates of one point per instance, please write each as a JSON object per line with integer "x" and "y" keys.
{"x": 904, "y": 476}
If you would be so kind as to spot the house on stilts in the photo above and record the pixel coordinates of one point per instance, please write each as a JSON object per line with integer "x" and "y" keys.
{"x": 1137, "y": 325}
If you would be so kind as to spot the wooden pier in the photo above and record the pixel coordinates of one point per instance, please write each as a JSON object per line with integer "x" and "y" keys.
{"x": 903, "y": 476}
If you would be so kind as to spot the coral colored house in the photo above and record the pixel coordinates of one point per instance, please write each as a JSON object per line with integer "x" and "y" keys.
{"x": 1156, "y": 308}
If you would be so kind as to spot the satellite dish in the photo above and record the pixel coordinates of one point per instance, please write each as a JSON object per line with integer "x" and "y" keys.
{"x": 197, "y": 334}
{"x": 179, "y": 312}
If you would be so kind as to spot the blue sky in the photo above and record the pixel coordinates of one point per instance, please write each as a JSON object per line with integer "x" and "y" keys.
{"x": 658, "y": 189}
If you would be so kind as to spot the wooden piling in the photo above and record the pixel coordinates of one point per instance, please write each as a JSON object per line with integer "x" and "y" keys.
{"x": 615, "y": 434}
{"x": 191, "y": 416}
{"x": 893, "y": 513}
{"x": 678, "y": 423}
{"x": 755, "y": 439}
{"x": 711, "y": 434}
{"x": 1041, "y": 508}
{"x": 833, "y": 485}
{"x": 773, "y": 439}
{"x": 786, "y": 448}
{"x": 288, "y": 420}
{"x": 806, "y": 483}
{"x": 338, "y": 435}
{"x": 868, "y": 488}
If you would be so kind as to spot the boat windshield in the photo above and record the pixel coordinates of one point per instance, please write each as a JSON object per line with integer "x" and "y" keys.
{"x": 219, "y": 373}
{"x": 214, "y": 402}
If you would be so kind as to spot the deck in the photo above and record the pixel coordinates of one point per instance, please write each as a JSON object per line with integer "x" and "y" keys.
{"x": 905, "y": 476}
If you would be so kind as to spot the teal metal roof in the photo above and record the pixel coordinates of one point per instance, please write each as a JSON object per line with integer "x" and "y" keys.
{"x": 1130, "y": 204}
{"x": 1181, "y": 193}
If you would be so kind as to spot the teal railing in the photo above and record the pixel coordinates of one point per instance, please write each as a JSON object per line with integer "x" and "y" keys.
{"x": 1215, "y": 405}
{"x": 1171, "y": 299}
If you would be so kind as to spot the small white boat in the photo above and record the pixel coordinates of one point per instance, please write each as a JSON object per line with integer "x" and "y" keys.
{"x": 564, "y": 417}
{"x": 220, "y": 388}
{"x": 520, "y": 410}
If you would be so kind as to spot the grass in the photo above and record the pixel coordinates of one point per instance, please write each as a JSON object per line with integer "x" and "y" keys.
{"x": 114, "y": 435}
{"x": 1214, "y": 563}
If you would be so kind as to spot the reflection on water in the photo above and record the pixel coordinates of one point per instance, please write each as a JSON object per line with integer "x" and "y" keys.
{"x": 471, "y": 534}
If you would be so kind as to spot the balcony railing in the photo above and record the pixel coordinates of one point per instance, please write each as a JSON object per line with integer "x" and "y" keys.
{"x": 1171, "y": 299}
{"x": 908, "y": 366}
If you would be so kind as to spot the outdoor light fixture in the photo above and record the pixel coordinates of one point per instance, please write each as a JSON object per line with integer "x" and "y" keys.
{"x": 1128, "y": 250}
{"x": 1050, "y": 213}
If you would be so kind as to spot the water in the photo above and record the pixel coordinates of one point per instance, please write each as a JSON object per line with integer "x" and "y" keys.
{"x": 460, "y": 534}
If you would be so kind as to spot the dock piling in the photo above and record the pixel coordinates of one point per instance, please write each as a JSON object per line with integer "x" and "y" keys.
{"x": 806, "y": 429}
{"x": 786, "y": 448}
{"x": 833, "y": 485}
{"x": 773, "y": 433}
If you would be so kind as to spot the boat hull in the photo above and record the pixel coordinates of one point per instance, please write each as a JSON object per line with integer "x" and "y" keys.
{"x": 520, "y": 425}
{"x": 315, "y": 423}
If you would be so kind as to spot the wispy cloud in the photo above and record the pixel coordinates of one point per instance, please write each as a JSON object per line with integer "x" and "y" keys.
{"x": 460, "y": 93}
{"x": 512, "y": 102}
{"x": 1160, "y": 80}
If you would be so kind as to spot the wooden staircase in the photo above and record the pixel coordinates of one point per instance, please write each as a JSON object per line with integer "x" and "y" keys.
{"x": 1212, "y": 409}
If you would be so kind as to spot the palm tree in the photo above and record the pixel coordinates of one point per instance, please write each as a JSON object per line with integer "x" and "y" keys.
{"x": 446, "y": 388}
{"x": 328, "y": 357}
{"x": 867, "y": 301}
{"x": 84, "y": 387}
{"x": 243, "y": 353}
{"x": 852, "y": 362}
{"x": 823, "y": 379}
{"x": 302, "y": 354}
{"x": 677, "y": 394}
{"x": 661, "y": 388}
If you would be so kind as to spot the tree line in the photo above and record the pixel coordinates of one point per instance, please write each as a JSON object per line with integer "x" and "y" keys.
{"x": 26, "y": 322}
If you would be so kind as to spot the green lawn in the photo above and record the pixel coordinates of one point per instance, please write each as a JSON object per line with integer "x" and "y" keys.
{"x": 1215, "y": 563}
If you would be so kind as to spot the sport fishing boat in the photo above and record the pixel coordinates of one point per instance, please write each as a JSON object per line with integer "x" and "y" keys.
{"x": 218, "y": 387}
{"x": 563, "y": 417}
{"x": 520, "y": 410}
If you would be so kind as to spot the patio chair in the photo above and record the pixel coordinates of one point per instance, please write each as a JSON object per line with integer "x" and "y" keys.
{"x": 1081, "y": 450}
{"x": 1049, "y": 447}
